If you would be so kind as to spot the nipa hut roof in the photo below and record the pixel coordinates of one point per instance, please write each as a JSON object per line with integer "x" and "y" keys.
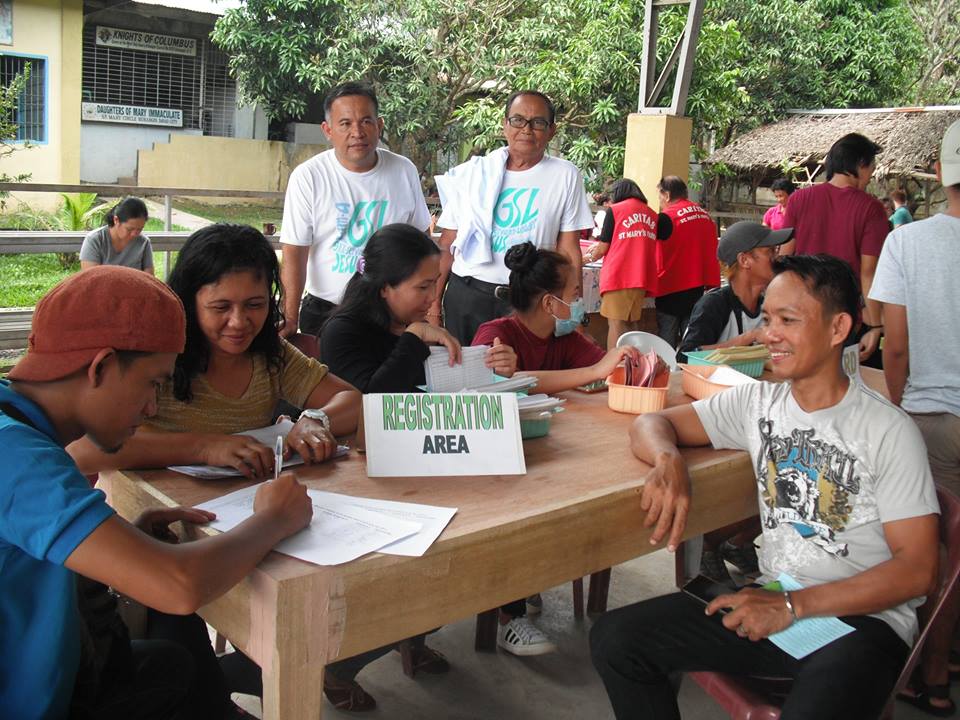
{"x": 910, "y": 138}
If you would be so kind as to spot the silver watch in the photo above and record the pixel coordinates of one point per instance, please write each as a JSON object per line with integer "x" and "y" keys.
{"x": 319, "y": 415}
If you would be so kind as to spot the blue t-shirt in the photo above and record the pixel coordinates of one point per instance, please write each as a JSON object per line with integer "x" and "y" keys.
{"x": 47, "y": 508}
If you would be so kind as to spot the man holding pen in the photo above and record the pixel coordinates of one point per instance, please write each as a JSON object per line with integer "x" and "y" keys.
{"x": 848, "y": 510}
{"x": 103, "y": 342}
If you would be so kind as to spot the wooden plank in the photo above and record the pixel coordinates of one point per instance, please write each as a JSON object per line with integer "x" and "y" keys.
{"x": 36, "y": 241}
{"x": 121, "y": 190}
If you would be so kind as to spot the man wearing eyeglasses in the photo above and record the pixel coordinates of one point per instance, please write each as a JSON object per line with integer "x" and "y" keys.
{"x": 513, "y": 195}
{"x": 335, "y": 201}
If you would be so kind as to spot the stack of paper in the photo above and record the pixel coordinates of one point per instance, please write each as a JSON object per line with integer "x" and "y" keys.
{"x": 471, "y": 371}
{"x": 515, "y": 384}
{"x": 344, "y": 528}
{"x": 266, "y": 435}
{"x": 536, "y": 406}
{"x": 725, "y": 375}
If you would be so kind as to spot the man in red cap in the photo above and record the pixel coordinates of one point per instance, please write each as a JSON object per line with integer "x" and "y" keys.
{"x": 103, "y": 341}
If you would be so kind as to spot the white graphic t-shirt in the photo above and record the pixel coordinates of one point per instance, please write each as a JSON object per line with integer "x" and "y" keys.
{"x": 533, "y": 205}
{"x": 826, "y": 480}
{"x": 335, "y": 211}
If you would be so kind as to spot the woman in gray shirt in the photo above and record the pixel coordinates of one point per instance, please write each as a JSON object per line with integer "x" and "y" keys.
{"x": 120, "y": 241}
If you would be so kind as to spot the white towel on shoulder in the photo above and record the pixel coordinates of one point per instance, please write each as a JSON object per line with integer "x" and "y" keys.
{"x": 471, "y": 189}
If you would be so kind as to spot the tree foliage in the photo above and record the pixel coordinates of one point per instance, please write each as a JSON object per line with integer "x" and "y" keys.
{"x": 443, "y": 68}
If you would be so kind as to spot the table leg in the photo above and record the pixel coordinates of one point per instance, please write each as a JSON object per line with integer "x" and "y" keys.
{"x": 486, "y": 635}
{"x": 292, "y": 691}
{"x": 599, "y": 588}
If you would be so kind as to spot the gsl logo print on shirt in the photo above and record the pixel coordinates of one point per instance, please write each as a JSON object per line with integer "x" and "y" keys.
{"x": 515, "y": 218}
{"x": 355, "y": 225}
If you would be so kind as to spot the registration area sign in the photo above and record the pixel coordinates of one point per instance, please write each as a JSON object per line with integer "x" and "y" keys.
{"x": 133, "y": 114}
{"x": 436, "y": 434}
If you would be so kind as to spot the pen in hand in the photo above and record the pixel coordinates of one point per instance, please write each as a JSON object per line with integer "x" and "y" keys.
{"x": 277, "y": 457}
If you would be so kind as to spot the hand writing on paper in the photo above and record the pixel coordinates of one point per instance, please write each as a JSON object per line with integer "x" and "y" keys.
{"x": 250, "y": 457}
{"x": 754, "y": 613}
{"x": 156, "y": 522}
{"x": 433, "y": 335}
{"x": 286, "y": 500}
{"x": 666, "y": 499}
{"x": 501, "y": 359}
{"x": 312, "y": 440}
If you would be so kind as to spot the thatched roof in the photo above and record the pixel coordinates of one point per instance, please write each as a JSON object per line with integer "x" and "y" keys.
{"x": 910, "y": 138}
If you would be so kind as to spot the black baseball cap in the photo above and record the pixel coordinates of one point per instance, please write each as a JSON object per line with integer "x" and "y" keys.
{"x": 746, "y": 235}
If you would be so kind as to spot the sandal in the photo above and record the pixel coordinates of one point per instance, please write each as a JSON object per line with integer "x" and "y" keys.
{"x": 428, "y": 660}
{"x": 920, "y": 694}
{"x": 347, "y": 694}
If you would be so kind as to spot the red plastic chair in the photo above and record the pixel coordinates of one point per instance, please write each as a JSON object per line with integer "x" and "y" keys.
{"x": 752, "y": 698}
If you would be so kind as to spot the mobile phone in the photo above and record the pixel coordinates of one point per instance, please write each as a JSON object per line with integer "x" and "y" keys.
{"x": 707, "y": 590}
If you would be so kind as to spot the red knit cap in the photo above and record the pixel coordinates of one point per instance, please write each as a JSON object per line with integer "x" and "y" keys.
{"x": 103, "y": 307}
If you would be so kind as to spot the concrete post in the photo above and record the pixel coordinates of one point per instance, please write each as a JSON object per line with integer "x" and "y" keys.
{"x": 657, "y": 145}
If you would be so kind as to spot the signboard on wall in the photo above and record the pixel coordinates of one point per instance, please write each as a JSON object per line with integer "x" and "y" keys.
{"x": 142, "y": 40}
{"x": 132, "y": 114}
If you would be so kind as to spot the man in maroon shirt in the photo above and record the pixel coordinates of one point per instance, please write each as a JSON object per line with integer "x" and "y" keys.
{"x": 838, "y": 218}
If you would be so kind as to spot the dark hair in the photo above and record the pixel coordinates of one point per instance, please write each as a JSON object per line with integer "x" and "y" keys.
{"x": 673, "y": 186}
{"x": 131, "y": 207}
{"x": 551, "y": 110}
{"x": 533, "y": 272}
{"x": 600, "y": 198}
{"x": 899, "y": 196}
{"x": 208, "y": 255}
{"x": 850, "y": 153}
{"x": 784, "y": 184}
{"x": 626, "y": 188}
{"x": 392, "y": 254}
{"x": 829, "y": 279}
{"x": 347, "y": 90}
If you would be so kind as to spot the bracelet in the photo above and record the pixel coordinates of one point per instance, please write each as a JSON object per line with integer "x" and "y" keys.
{"x": 433, "y": 314}
{"x": 872, "y": 327}
{"x": 789, "y": 604}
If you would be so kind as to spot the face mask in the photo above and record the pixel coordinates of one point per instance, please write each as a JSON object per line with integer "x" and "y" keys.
{"x": 565, "y": 326}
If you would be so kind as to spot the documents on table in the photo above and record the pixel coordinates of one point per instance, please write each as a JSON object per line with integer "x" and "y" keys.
{"x": 432, "y": 518}
{"x": 514, "y": 384}
{"x": 726, "y": 375}
{"x": 807, "y": 635}
{"x": 265, "y": 435}
{"x": 469, "y": 372}
{"x": 344, "y": 527}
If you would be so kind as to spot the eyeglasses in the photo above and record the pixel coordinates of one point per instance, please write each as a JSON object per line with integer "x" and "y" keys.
{"x": 519, "y": 122}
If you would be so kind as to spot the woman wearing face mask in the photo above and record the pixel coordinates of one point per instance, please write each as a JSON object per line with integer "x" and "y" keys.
{"x": 378, "y": 337}
{"x": 545, "y": 292}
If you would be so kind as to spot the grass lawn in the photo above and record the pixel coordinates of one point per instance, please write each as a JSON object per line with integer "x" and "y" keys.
{"x": 25, "y": 278}
{"x": 254, "y": 215}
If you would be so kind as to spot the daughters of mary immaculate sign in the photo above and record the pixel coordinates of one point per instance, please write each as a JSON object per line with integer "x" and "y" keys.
{"x": 134, "y": 114}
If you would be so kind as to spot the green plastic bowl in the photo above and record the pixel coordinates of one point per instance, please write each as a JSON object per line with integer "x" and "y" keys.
{"x": 534, "y": 428}
{"x": 753, "y": 368}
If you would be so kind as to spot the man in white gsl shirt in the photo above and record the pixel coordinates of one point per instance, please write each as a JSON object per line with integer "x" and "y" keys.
{"x": 335, "y": 201}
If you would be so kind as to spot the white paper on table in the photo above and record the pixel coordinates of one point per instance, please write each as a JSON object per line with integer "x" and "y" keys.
{"x": 433, "y": 519}
{"x": 725, "y": 375}
{"x": 809, "y": 634}
{"x": 469, "y": 372}
{"x": 265, "y": 435}
{"x": 339, "y": 532}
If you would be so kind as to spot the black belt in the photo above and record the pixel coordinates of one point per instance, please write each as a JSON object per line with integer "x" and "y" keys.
{"x": 500, "y": 292}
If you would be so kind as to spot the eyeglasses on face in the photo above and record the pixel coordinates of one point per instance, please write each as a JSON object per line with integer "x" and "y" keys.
{"x": 519, "y": 122}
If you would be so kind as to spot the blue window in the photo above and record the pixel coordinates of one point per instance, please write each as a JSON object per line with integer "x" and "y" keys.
{"x": 31, "y": 112}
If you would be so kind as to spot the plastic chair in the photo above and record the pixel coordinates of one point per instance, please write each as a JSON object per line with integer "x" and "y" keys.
{"x": 753, "y": 698}
{"x": 309, "y": 345}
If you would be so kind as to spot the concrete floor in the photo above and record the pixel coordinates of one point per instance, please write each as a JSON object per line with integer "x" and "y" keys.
{"x": 500, "y": 686}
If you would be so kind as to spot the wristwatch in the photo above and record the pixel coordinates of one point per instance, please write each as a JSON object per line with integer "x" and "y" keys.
{"x": 319, "y": 415}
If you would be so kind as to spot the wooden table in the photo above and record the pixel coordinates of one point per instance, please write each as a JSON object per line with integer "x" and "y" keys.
{"x": 576, "y": 511}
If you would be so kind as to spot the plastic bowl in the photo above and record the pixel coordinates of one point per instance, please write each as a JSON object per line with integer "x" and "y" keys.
{"x": 635, "y": 400}
{"x": 534, "y": 427}
{"x": 753, "y": 368}
{"x": 695, "y": 381}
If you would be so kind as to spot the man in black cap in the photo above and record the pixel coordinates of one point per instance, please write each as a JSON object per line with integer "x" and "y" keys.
{"x": 730, "y": 316}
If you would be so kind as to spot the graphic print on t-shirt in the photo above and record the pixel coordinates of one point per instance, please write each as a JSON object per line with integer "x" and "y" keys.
{"x": 515, "y": 218}
{"x": 355, "y": 225}
{"x": 807, "y": 483}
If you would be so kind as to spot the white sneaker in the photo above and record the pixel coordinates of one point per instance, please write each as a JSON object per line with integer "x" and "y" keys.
{"x": 522, "y": 637}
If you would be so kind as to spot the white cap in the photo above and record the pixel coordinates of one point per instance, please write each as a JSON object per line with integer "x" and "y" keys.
{"x": 950, "y": 155}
